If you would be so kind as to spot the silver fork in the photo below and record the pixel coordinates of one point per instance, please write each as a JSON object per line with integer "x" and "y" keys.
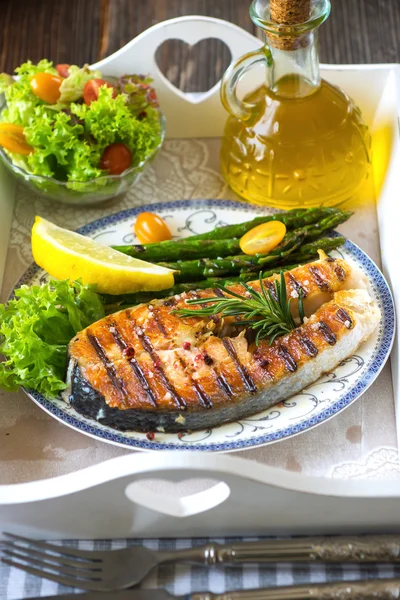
{"x": 112, "y": 570}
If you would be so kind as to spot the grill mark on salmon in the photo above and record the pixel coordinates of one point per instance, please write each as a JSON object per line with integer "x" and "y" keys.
{"x": 219, "y": 292}
{"x": 169, "y": 302}
{"x": 327, "y": 333}
{"x": 140, "y": 376}
{"x": 243, "y": 372}
{"x": 201, "y": 393}
{"x": 340, "y": 273}
{"x": 344, "y": 318}
{"x": 319, "y": 279}
{"x": 219, "y": 377}
{"x": 287, "y": 358}
{"x": 308, "y": 346}
{"x": 109, "y": 367}
{"x": 224, "y": 385}
{"x": 156, "y": 316}
{"x": 297, "y": 286}
{"x": 271, "y": 288}
{"x": 148, "y": 347}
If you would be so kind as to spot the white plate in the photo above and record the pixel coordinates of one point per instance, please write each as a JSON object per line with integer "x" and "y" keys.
{"x": 320, "y": 401}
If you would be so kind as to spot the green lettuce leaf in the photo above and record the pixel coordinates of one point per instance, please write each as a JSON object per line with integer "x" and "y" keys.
{"x": 141, "y": 96}
{"x": 5, "y": 81}
{"x": 72, "y": 87}
{"x": 35, "y": 329}
{"x": 21, "y": 101}
{"x": 28, "y": 69}
{"x": 60, "y": 145}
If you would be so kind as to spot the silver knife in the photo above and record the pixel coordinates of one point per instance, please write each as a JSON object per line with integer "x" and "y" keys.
{"x": 386, "y": 589}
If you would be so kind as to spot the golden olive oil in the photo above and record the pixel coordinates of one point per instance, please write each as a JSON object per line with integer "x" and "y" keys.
{"x": 297, "y": 148}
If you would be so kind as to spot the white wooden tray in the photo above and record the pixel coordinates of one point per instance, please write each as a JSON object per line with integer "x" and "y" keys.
{"x": 104, "y": 500}
{"x": 246, "y": 498}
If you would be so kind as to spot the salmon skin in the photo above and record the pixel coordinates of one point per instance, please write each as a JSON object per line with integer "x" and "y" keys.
{"x": 147, "y": 369}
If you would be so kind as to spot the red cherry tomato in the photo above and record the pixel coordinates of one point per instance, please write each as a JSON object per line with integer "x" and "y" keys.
{"x": 151, "y": 228}
{"x": 46, "y": 87}
{"x": 63, "y": 70}
{"x": 91, "y": 90}
{"x": 116, "y": 159}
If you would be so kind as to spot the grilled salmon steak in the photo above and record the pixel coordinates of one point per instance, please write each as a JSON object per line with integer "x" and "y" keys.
{"x": 147, "y": 369}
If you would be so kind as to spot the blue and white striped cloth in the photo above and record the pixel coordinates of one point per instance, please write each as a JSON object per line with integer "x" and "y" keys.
{"x": 183, "y": 579}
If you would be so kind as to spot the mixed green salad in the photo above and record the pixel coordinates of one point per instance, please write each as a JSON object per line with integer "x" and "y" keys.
{"x": 70, "y": 124}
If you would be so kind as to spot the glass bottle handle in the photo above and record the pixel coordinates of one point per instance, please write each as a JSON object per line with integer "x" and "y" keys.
{"x": 232, "y": 76}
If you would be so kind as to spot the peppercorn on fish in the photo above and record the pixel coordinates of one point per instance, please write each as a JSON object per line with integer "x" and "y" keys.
{"x": 148, "y": 369}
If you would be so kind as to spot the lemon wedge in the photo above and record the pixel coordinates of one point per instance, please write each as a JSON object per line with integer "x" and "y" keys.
{"x": 68, "y": 255}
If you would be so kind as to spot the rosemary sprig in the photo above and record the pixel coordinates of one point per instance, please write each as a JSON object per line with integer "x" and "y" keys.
{"x": 266, "y": 313}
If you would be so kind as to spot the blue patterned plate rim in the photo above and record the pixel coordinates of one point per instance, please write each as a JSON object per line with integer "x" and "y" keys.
{"x": 376, "y": 365}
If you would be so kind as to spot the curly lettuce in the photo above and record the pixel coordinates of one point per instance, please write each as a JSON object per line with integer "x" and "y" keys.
{"x": 35, "y": 329}
{"x": 21, "y": 101}
{"x": 61, "y": 150}
{"x": 72, "y": 87}
{"x": 141, "y": 96}
{"x": 109, "y": 120}
{"x": 5, "y": 81}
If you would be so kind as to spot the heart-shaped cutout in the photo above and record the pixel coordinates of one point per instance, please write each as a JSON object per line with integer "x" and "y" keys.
{"x": 173, "y": 499}
{"x": 193, "y": 69}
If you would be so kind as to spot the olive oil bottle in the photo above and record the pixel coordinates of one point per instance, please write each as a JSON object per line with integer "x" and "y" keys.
{"x": 297, "y": 140}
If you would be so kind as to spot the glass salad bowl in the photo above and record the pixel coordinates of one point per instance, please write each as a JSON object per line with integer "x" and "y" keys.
{"x": 83, "y": 193}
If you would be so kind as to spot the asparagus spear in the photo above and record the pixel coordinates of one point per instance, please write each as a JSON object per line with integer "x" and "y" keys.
{"x": 217, "y": 243}
{"x": 291, "y": 218}
{"x": 200, "y": 269}
{"x": 184, "y": 248}
{"x": 307, "y": 252}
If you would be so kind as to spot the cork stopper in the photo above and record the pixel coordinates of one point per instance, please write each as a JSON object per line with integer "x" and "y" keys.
{"x": 289, "y": 12}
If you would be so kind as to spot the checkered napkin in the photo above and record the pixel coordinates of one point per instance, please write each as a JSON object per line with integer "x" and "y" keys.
{"x": 183, "y": 579}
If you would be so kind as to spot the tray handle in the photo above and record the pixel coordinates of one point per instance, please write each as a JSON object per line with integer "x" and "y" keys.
{"x": 202, "y": 114}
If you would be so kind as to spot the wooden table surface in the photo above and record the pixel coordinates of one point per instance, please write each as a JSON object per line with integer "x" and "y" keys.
{"x": 79, "y": 31}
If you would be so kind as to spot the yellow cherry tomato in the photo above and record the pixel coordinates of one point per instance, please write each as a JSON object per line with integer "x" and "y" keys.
{"x": 12, "y": 138}
{"x": 46, "y": 87}
{"x": 263, "y": 238}
{"x": 151, "y": 228}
